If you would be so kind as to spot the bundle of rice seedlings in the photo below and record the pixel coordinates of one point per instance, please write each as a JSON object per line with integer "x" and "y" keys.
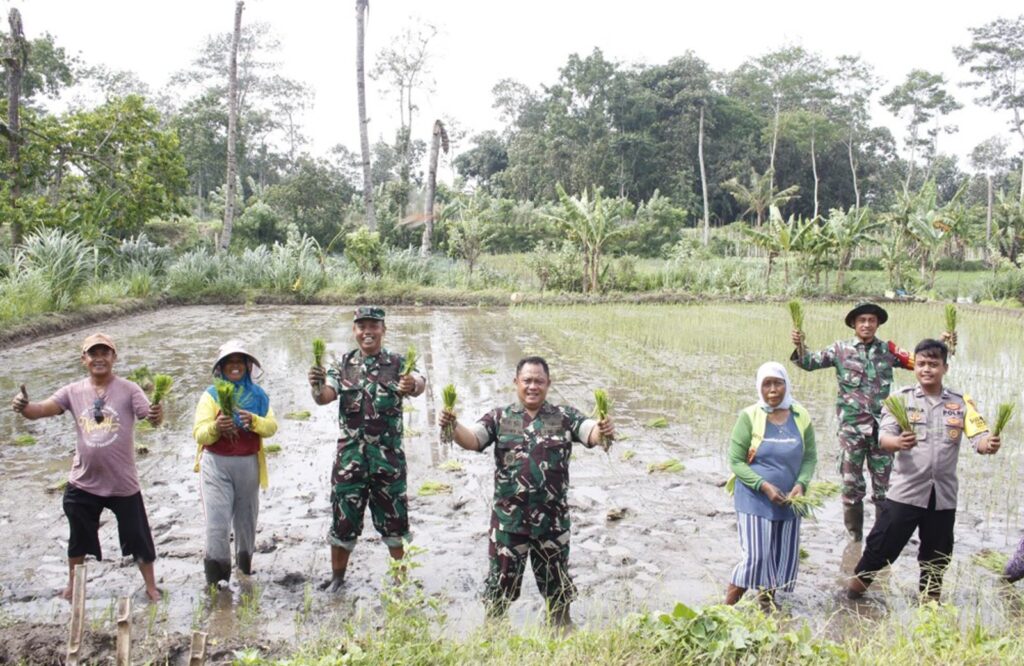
{"x": 225, "y": 396}
{"x": 488, "y": 371}
{"x": 628, "y": 455}
{"x": 298, "y": 416}
{"x": 1003, "y": 414}
{"x": 670, "y": 465}
{"x": 450, "y": 465}
{"x": 141, "y": 376}
{"x": 601, "y": 406}
{"x": 660, "y": 422}
{"x": 898, "y": 408}
{"x": 951, "y": 325}
{"x": 161, "y": 387}
{"x": 796, "y": 313}
{"x": 58, "y": 487}
{"x": 823, "y": 489}
{"x": 448, "y": 395}
{"x": 410, "y": 360}
{"x": 319, "y": 349}
{"x": 804, "y": 505}
{"x": 434, "y": 488}
{"x": 272, "y": 448}
{"x": 24, "y": 440}
{"x": 992, "y": 560}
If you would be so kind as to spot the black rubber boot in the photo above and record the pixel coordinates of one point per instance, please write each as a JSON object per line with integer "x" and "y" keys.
{"x": 244, "y": 561}
{"x": 216, "y": 571}
{"x": 853, "y": 519}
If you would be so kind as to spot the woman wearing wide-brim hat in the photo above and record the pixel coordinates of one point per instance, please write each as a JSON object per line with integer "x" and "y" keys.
{"x": 233, "y": 463}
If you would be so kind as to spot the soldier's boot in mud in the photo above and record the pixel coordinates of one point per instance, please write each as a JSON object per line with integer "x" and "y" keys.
{"x": 216, "y": 571}
{"x": 853, "y": 519}
{"x": 244, "y": 561}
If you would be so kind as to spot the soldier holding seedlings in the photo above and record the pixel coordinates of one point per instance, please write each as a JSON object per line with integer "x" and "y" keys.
{"x": 369, "y": 382}
{"x": 232, "y": 419}
{"x": 923, "y": 494}
{"x": 773, "y": 455}
{"x": 532, "y": 444}
{"x": 864, "y": 368}
{"x": 103, "y": 475}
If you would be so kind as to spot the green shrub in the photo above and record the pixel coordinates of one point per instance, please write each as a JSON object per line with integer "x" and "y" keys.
{"x": 193, "y": 273}
{"x": 62, "y": 259}
{"x": 365, "y": 251}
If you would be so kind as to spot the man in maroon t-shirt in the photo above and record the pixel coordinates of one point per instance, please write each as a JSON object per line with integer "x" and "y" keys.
{"x": 103, "y": 475}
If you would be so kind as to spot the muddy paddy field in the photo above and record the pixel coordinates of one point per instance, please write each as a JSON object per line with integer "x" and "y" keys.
{"x": 692, "y": 366}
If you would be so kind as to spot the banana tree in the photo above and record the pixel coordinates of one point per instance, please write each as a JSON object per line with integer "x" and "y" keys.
{"x": 779, "y": 238}
{"x": 591, "y": 223}
{"x": 846, "y": 231}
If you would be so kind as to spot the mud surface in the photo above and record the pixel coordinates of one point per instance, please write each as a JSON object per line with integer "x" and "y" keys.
{"x": 675, "y": 539}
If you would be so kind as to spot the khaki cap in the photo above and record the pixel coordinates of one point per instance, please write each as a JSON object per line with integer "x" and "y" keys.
{"x": 98, "y": 339}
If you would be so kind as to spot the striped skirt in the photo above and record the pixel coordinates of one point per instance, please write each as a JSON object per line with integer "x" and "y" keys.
{"x": 771, "y": 553}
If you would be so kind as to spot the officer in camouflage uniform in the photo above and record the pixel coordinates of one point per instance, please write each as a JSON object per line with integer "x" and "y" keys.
{"x": 532, "y": 444}
{"x": 370, "y": 462}
{"x": 864, "y": 368}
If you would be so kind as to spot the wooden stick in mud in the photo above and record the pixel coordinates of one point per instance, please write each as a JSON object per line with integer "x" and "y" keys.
{"x": 124, "y": 631}
{"x": 77, "y": 615}
{"x": 197, "y": 651}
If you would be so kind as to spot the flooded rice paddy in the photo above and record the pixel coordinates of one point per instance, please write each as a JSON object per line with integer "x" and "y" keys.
{"x": 676, "y": 538}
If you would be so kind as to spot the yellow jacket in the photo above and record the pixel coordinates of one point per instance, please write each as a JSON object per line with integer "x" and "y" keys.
{"x": 204, "y": 429}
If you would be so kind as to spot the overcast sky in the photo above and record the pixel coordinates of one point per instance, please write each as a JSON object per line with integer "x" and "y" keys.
{"x": 484, "y": 41}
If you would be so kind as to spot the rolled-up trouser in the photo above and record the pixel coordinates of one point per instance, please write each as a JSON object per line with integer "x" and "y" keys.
{"x": 858, "y": 444}
{"x": 366, "y": 472}
{"x": 549, "y": 558}
{"x": 231, "y": 498}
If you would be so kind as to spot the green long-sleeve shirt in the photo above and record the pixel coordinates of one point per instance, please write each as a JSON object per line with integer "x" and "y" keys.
{"x": 739, "y": 446}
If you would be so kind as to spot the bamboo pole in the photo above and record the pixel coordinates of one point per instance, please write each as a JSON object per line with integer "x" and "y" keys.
{"x": 77, "y": 615}
{"x": 124, "y": 631}
{"x": 197, "y": 651}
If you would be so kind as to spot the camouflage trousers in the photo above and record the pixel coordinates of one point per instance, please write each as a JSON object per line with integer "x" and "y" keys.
{"x": 365, "y": 472}
{"x": 549, "y": 558}
{"x": 858, "y": 444}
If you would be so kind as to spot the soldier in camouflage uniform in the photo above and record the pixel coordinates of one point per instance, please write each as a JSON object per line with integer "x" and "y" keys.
{"x": 370, "y": 463}
{"x": 532, "y": 444}
{"x": 864, "y": 368}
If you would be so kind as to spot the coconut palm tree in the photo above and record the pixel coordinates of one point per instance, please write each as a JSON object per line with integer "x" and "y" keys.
{"x": 760, "y": 195}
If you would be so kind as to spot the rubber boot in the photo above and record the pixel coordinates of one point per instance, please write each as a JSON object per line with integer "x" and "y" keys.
{"x": 216, "y": 571}
{"x": 853, "y": 519}
{"x": 244, "y": 561}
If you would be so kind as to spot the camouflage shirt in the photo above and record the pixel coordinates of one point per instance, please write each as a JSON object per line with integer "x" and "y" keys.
{"x": 864, "y": 371}
{"x": 531, "y": 471}
{"x": 369, "y": 405}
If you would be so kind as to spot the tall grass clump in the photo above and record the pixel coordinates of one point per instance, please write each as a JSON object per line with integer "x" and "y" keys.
{"x": 138, "y": 254}
{"x": 295, "y": 267}
{"x": 193, "y": 273}
{"x": 63, "y": 261}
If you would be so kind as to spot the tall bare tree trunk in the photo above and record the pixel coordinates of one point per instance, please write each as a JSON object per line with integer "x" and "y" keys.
{"x": 439, "y": 142}
{"x": 703, "y": 178}
{"x": 362, "y": 7}
{"x": 988, "y": 214}
{"x": 814, "y": 170}
{"x": 775, "y": 143}
{"x": 15, "y": 61}
{"x": 1020, "y": 130}
{"x": 853, "y": 170}
{"x": 229, "y": 190}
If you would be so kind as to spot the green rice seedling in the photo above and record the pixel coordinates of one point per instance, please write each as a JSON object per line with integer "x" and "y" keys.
{"x": 671, "y": 465}
{"x": 319, "y": 349}
{"x": 1003, "y": 415}
{"x": 448, "y": 396}
{"x": 144, "y": 426}
{"x": 434, "y": 488}
{"x": 272, "y": 448}
{"x": 601, "y": 406}
{"x": 803, "y": 553}
{"x": 628, "y": 455}
{"x": 410, "y": 360}
{"x": 450, "y": 465}
{"x": 302, "y": 415}
{"x": 992, "y": 560}
{"x": 225, "y": 396}
{"x": 161, "y": 387}
{"x": 951, "y": 325}
{"x": 24, "y": 440}
{"x": 58, "y": 487}
{"x": 660, "y": 422}
{"x": 805, "y": 505}
{"x": 141, "y": 376}
{"x": 489, "y": 371}
{"x": 796, "y": 313}
{"x": 823, "y": 489}
{"x": 898, "y": 408}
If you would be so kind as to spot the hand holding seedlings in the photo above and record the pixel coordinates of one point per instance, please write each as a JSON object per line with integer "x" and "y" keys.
{"x": 990, "y": 445}
{"x": 225, "y": 425}
{"x": 316, "y": 376}
{"x": 949, "y": 335}
{"x": 773, "y": 493}
{"x": 448, "y": 396}
{"x": 406, "y": 384}
{"x": 20, "y": 401}
{"x": 602, "y": 404}
{"x": 906, "y": 441}
{"x": 156, "y": 414}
